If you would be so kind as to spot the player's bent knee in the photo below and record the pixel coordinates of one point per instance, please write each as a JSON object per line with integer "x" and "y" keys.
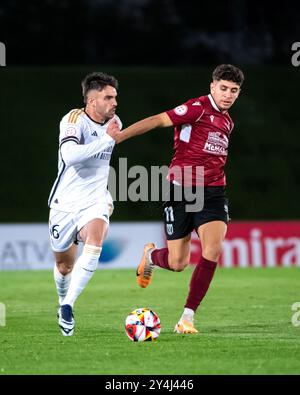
{"x": 178, "y": 265}
{"x": 63, "y": 268}
{"x": 97, "y": 242}
{"x": 212, "y": 252}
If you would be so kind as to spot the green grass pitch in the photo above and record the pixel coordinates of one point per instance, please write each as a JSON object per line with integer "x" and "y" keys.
{"x": 244, "y": 325}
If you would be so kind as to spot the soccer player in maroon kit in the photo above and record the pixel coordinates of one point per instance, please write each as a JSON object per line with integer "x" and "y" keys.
{"x": 202, "y": 131}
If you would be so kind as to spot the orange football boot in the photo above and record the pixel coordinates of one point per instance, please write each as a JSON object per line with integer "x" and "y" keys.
{"x": 144, "y": 271}
{"x": 184, "y": 326}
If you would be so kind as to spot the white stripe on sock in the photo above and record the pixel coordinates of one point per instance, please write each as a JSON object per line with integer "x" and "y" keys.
{"x": 62, "y": 283}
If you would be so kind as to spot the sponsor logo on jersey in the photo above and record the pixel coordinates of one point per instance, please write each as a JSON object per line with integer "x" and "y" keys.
{"x": 216, "y": 143}
{"x": 196, "y": 103}
{"x": 106, "y": 155}
{"x": 71, "y": 131}
{"x": 95, "y": 133}
{"x": 181, "y": 110}
{"x": 212, "y": 118}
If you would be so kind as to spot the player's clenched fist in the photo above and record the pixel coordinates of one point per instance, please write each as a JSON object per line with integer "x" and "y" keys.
{"x": 113, "y": 130}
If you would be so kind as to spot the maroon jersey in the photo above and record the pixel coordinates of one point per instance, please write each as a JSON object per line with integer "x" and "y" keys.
{"x": 201, "y": 138}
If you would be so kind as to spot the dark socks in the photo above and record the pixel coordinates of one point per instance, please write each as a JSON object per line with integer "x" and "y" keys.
{"x": 200, "y": 281}
{"x": 160, "y": 258}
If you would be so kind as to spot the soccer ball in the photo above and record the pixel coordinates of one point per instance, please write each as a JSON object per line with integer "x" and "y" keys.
{"x": 142, "y": 325}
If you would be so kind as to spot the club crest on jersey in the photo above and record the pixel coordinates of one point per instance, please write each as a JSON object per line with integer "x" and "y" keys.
{"x": 70, "y": 131}
{"x": 212, "y": 118}
{"x": 170, "y": 229}
{"x": 181, "y": 110}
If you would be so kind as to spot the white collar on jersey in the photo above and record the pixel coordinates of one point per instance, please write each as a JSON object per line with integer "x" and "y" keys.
{"x": 213, "y": 103}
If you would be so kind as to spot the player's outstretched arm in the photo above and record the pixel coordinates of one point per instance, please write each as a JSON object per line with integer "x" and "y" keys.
{"x": 145, "y": 125}
{"x": 73, "y": 153}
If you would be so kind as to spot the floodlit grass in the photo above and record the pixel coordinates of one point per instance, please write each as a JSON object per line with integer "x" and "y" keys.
{"x": 244, "y": 325}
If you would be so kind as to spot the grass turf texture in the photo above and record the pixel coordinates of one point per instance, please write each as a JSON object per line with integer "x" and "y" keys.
{"x": 244, "y": 325}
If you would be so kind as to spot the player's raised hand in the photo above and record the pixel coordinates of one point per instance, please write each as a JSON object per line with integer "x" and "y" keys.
{"x": 113, "y": 129}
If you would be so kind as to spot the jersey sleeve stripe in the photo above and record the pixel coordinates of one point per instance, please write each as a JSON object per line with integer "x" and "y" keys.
{"x": 70, "y": 138}
{"x": 72, "y": 113}
{"x": 74, "y": 116}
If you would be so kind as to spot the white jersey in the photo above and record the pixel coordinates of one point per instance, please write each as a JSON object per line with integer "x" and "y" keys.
{"x": 83, "y": 163}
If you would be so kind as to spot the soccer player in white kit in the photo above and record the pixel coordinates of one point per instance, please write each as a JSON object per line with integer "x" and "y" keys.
{"x": 80, "y": 203}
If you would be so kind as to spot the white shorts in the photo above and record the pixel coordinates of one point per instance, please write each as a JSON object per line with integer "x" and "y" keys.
{"x": 64, "y": 227}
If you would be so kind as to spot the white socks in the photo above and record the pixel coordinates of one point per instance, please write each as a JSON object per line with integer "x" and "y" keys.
{"x": 188, "y": 314}
{"x": 62, "y": 283}
{"x": 83, "y": 271}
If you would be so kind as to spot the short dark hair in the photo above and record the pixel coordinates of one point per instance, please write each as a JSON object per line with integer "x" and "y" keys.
{"x": 97, "y": 81}
{"x": 228, "y": 72}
